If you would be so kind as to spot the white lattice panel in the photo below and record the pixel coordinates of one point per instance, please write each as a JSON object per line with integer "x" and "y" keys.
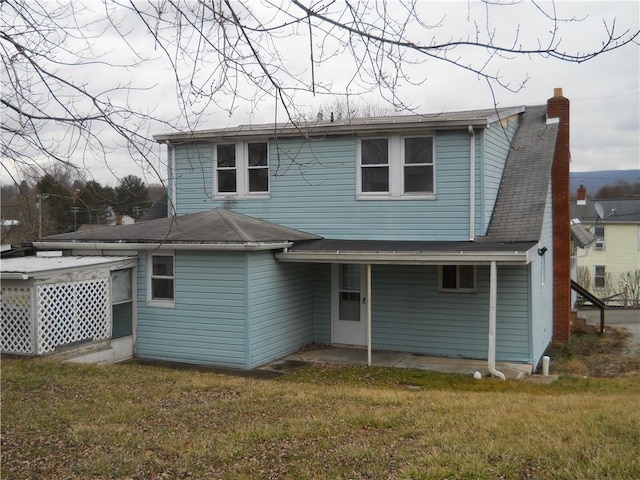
{"x": 16, "y": 320}
{"x": 72, "y": 312}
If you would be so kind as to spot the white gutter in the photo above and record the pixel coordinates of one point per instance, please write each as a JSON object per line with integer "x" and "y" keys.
{"x": 14, "y": 276}
{"x": 174, "y": 195}
{"x": 493, "y": 294}
{"x": 410, "y": 258}
{"x": 472, "y": 183}
{"x": 368, "y": 313}
{"x": 163, "y": 246}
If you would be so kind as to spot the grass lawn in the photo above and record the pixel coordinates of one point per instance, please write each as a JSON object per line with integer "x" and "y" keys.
{"x": 134, "y": 421}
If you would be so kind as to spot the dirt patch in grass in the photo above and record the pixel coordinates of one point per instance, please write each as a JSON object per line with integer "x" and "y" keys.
{"x": 612, "y": 354}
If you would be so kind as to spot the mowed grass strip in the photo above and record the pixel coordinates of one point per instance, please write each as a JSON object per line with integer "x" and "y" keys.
{"x": 137, "y": 421}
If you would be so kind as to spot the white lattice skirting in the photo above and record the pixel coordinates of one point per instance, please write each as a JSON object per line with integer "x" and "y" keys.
{"x": 17, "y": 332}
{"x": 65, "y": 313}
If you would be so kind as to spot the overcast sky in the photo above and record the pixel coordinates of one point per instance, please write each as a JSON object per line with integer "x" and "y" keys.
{"x": 604, "y": 92}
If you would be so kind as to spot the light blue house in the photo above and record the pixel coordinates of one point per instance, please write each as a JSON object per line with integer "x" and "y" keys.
{"x": 431, "y": 234}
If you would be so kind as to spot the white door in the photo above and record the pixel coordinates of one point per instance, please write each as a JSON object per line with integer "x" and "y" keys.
{"x": 348, "y": 325}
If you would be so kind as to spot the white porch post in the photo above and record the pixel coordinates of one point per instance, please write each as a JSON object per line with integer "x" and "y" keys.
{"x": 368, "y": 313}
{"x": 493, "y": 294}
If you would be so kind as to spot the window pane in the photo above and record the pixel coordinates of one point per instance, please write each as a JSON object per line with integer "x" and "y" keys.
{"x": 122, "y": 315}
{"x": 418, "y": 150}
{"x": 600, "y": 277}
{"x": 375, "y": 179}
{"x": 375, "y": 151}
{"x": 258, "y": 180}
{"x": 121, "y": 286}
{"x": 349, "y": 308}
{"x": 418, "y": 179}
{"x": 162, "y": 288}
{"x": 226, "y": 156}
{"x": 350, "y": 277}
{"x": 449, "y": 276}
{"x": 257, "y": 154}
{"x": 163, "y": 265}
{"x": 465, "y": 276}
{"x": 227, "y": 181}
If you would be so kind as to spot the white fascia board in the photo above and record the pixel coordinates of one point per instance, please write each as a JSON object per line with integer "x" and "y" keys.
{"x": 408, "y": 258}
{"x": 111, "y": 246}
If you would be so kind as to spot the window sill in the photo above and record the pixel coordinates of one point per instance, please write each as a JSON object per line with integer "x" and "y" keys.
{"x": 251, "y": 196}
{"x": 457, "y": 290}
{"x": 161, "y": 303}
{"x": 378, "y": 196}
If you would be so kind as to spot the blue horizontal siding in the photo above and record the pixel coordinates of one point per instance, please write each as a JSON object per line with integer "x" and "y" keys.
{"x": 322, "y": 299}
{"x": 207, "y": 325}
{"x": 496, "y": 141}
{"x": 313, "y": 188}
{"x": 280, "y": 308}
{"x": 410, "y": 314}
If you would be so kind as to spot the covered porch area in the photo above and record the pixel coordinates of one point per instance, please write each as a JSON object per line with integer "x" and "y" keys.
{"x": 412, "y": 312}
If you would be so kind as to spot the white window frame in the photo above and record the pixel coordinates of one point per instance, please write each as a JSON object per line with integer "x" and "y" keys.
{"x": 396, "y": 164}
{"x": 242, "y": 171}
{"x": 601, "y": 241}
{"x": 458, "y": 289}
{"x": 604, "y": 277}
{"x": 160, "y": 302}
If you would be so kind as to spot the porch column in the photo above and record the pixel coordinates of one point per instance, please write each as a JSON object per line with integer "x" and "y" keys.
{"x": 493, "y": 296}
{"x": 368, "y": 314}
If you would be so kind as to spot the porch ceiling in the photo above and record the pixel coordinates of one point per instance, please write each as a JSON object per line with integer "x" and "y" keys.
{"x": 408, "y": 252}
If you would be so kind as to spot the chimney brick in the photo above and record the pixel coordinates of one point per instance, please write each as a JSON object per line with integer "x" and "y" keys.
{"x": 558, "y": 107}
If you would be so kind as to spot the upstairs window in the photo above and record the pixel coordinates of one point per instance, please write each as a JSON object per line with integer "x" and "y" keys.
{"x": 599, "y": 234}
{"x": 396, "y": 167}
{"x": 375, "y": 165}
{"x": 241, "y": 169}
{"x": 457, "y": 278}
{"x": 418, "y": 165}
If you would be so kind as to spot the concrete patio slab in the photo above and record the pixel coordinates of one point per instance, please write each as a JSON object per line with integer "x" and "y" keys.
{"x": 358, "y": 356}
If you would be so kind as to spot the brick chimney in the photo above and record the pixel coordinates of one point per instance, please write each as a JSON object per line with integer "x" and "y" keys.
{"x": 581, "y": 198}
{"x": 558, "y": 107}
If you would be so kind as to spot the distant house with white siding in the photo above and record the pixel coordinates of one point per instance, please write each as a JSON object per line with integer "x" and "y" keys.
{"x": 444, "y": 234}
{"x": 616, "y": 251}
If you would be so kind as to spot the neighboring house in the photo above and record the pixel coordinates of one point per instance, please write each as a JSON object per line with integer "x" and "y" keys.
{"x": 444, "y": 234}
{"x": 616, "y": 251}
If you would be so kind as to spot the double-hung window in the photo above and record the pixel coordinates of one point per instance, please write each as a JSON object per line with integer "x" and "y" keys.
{"x": 457, "y": 278}
{"x": 241, "y": 169}
{"x": 599, "y": 277}
{"x": 161, "y": 278}
{"x": 600, "y": 238}
{"x": 396, "y": 167}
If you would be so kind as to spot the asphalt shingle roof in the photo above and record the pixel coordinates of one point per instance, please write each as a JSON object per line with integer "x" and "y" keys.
{"x": 214, "y": 226}
{"x": 519, "y": 209}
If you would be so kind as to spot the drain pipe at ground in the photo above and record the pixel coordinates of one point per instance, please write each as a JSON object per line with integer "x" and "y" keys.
{"x": 493, "y": 293}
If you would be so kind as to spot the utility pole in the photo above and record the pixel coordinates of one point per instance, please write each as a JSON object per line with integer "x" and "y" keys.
{"x": 75, "y": 211}
{"x": 40, "y": 197}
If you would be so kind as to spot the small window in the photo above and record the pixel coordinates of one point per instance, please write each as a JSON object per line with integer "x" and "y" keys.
{"x": 418, "y": 165}
{"x": 599, "y": 277}
{"x": 599, "y": 234}
{"x": 458, "y": 278}
{"x": 162, "y": 278}
{"x": 375, "y": 165}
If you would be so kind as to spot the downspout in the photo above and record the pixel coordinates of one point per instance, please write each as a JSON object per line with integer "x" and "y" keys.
{"x": 493, "y": 293}
{"x": 368, "y": 313}
{"x": 174, "y": 195}
{"x": 472, "y": 182}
